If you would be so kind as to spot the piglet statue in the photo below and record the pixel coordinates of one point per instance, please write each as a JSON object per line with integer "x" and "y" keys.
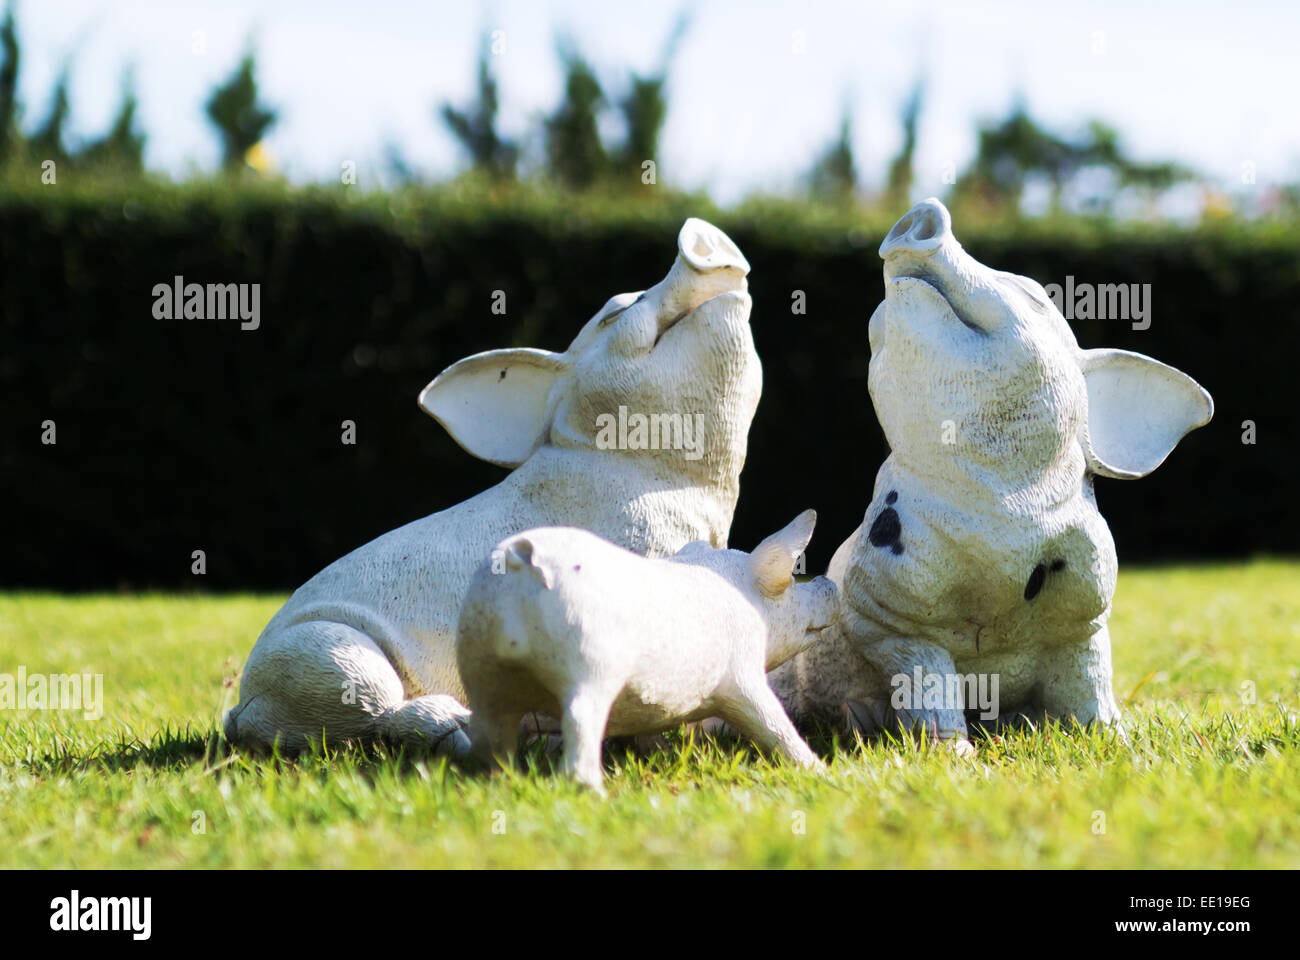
{"x": 562, "y": 621}
{"x": 366, "y": 649}
{"x": 982, "y": 566}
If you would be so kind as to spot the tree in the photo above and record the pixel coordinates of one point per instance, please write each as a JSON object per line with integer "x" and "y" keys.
{"x": 645, "y": 107}
{"x": 1102, "y": 148}
{"x": 1010, "y": 152}
{"x": 234, "y": 111}
{"x": 397, "y": 166}
{"x": 574, "y": 152}
{"x": 901, "y": 171}
{"x": 47, "y": 141}
{"x": 122, "y": 148}
{"x": 833, "y": 177}
{"x": 10, "y": 112}
{"x": 475, "y": 127}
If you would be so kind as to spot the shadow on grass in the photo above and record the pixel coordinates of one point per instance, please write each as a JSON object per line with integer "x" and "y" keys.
{"x": 166, "y": 749}
{"x": 180, "y": 748}
{"x": 174, "y": 749}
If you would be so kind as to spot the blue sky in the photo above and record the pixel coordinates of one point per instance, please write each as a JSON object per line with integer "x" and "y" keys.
{"x": 1211, "y": 85}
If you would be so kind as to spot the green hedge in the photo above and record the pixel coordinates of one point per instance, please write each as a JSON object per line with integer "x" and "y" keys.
{"x": 176, "y": 435}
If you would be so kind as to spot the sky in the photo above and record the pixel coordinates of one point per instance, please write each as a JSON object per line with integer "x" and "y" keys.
{"x": 756, "y": 90}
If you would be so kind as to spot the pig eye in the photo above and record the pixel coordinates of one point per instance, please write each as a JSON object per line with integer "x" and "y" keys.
{"x": 613, "y": 315}
{"x": 1024, "y": 286}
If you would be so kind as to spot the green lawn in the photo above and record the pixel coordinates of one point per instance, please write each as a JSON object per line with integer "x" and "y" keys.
{"x": 1210, "y": 778}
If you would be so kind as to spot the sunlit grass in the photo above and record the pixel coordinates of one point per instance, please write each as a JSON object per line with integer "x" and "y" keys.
{"x": 1209, "y": 776}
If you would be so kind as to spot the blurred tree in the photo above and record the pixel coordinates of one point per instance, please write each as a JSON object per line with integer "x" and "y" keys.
{"x": 901, "y": 171}
{"x": 645, "y": 107}
{"x": 833, "y": 176}
{"x": 122, "y": 148}
{"x": 47, "y": 141}
{"x": 574, "y": 152}
{"x": 1286, "y": 200}
{"x": 397, "y": 166}
{"x": 1102, "y": 148}
{"x": 10, "y": 136}
{"x": 1008, "y": 153}
{"x": 475, "y": 127}
{"x": 234, "y": 111}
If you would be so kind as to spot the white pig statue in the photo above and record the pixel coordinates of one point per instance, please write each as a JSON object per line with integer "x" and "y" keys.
{"x": 616, "y": 643}
{"x": 637, "y": 431}
{"x": 982, "y": 565}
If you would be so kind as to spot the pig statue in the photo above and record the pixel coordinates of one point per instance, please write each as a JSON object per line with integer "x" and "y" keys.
{"x": 982, "y": 566}
{"x": 562, "y": 621}
{"x": 637, "y": 431}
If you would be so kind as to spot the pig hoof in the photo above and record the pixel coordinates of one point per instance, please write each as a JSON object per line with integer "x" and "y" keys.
{"x": 931, "y": 725}
{"x": 455, "y": 744}
{"x": 552, "y": 744}
{"x": 434, "y": 722}
{"x": 646, "y": 744}
{"x": 865, "y": 719}
{"x": 1121, "y": 734}
{"x": 537, "y": 724}
{"x": 595, "y": 784}
{"x": 961, "y": 747}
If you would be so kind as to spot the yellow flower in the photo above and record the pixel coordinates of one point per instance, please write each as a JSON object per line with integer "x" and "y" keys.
{"x": 259, "y": 158}
{"x": 1217, "y": 204}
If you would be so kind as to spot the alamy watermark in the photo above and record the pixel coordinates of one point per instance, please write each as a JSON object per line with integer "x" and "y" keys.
{"x": 54, "y": 691}
{"x": 945, "y": 691}
{"x": 75, "y": 913}
{"x": 655, "y": 431}
{"x": 1104, "y": 301}
{"x": 179, "y": 300}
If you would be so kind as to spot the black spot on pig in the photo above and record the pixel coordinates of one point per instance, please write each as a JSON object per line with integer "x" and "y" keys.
{"x": 1035, "y": 582}
{"x": 892, "y": 498}
{"x": 1039, "y": 575}
{"x": 886, "y": 529}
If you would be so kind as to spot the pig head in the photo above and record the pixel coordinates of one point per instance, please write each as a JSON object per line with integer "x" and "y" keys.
{"x": 636, "y": 432}
{"x": 982, "y": 559}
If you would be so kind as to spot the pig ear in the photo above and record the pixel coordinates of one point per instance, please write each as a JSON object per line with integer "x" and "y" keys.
{"x": 1138, "y": 410}
{"x": 773, "y": 560}
{"x": 521, "y": 556}
{"x": 494, "y": 404}
{"x": 706, "y": 248}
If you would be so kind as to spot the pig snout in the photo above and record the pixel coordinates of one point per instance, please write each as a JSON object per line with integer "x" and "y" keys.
{"x": 921, "y": 245}
{"x": 708, "y": 264}
{"x": 918, "y": 233}
{"x": 921, "y": 252}
{"x": 823, "y": 601}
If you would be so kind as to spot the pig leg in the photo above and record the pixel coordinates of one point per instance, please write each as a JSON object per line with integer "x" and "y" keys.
{"x": 494, "y": 733}
{"x": 585, "y": 715}
{"x": 1077, "y": 682}
{"x": 897, "y": 659}
{"x": 325, "y": 678}
{"x": 758, "y": 714}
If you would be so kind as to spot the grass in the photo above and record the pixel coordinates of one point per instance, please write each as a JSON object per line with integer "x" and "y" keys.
{"x": 1208, "y": 778}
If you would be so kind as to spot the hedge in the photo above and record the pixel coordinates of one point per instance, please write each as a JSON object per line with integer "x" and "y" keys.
{"x": 181, "y": 435}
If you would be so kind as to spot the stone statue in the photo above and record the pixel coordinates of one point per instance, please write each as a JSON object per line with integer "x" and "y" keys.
{"x": 616, "y": 643}
{"x": 637, "y": 432}
{"x": 982, "y": 565}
